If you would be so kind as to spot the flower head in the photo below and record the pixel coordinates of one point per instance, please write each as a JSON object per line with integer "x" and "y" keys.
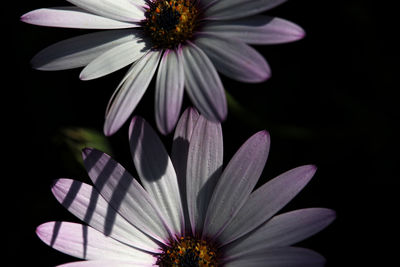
{"x": 188, "y": 41}
{"x": 187, "y": 210}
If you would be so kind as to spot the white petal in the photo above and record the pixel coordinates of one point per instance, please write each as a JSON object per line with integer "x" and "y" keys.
{"x": 282, "y": 230}
{"x": 280, "y": 257}
{"x": 72, "y": 17}
{"x": 107, "y": 263}
{"x": 179, "y": 154}
{"x": 234, "y": 58}
{"x": 169, "y": 90}
{"x": 87, "y": 204}
{"x": 130, "y": 91}
{"x": 203, "y": 84}
{"x": 256, "y": 30}
{"x": 114, "y": 59}
{"x": 124, "y": 10}
{"x": 203, "y": 169}
{"x": 85, "y": 242}
{"x": 124, "y": 193}
{"x": 233, "y": 9}
{"x": 79, "y": 51}
{"x": 266, "y": 201}
{"x": 236, "y": 183}
{"x": 156, "y": 172}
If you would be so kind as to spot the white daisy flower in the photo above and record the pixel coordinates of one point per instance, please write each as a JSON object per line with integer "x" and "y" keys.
{"x": 186, "y": 211}
{"x": 187, "y": 41}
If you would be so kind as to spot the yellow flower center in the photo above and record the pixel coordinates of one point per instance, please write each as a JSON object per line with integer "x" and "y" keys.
{"x": 169, "y": 23}
{"x": 188, "y": 252}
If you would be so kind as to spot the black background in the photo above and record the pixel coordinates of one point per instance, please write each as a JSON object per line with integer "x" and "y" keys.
{"x": 331, "y": 101}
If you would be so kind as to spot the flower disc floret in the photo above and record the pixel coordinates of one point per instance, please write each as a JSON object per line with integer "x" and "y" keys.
{"x": 170, "y": 23}
{"x": 188, "y": 251}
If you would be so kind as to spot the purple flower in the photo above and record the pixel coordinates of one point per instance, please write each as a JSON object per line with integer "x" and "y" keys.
{"x": 187, "y": 40}
{"x": 187, "y": 211}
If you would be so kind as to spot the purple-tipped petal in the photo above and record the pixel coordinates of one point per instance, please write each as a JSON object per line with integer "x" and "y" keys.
{"x": 130, "y": 91}
{"x": 203, "y": 84}
{"x": 204, "y": 166}
{"x": 282, "y": 230}
{"x": 266, "y": 201}
{"x": 72, "y": 17}
{"x": 256, "y": 30}
{"x": 169, "y": 90}
{"x": 234, "y": 9}
{"x": 124, "y": 194}
{"x": 236, "y": 183}
{"x": 88, "y": 205}
{"x": 123, "y": 10}
{"x": 114, "y": 59}
{"x": 234, "y": 58}
{"x": 179, "y": 154}
{"x": 156, "y": 172}
{"x": 87, "y": 243}
{"x": 79, "y": 51}
{"x": 279, "y": 257}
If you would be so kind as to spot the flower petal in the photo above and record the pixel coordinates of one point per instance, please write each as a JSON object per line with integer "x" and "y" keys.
{"x": 234, "y": 59}
{"x": 156, "y": 172}
{"x": 87, "y": 204}
{"x": 124, "y": 193}
{"x": 266, "y": 201}
{"x": 282, "y": 230}
{"x": 203, "y": 84}
{"x": 79, "y": 51}
{"x": 85, "y": 242}
{"x": 256, "y": 30}
{"x": 169, "y": 91}
{"x": 114, "y": 59}
{"x": 233, "y": 9}
{"x": 204, "y": 168}
{"x": 130, "y": 91}
{"x": 72, "y": 17}
{"x": 236, "y": 183}
{"x": 124, "y": 10}
{"x": 280, "y": 257}
{"x": 106, "y": 263}
{"x": 179, "y": 154}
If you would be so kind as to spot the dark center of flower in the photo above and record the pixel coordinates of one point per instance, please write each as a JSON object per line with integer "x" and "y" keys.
{"x": 188, "y": 252}
{"x": 169, "y": 23}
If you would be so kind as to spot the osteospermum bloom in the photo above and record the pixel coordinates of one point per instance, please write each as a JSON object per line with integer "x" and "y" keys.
{"x": 187, "y": 211}
{"x": 188, "y": 41}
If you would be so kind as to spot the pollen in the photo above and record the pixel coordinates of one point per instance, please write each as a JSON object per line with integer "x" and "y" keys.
{"x": 170, "y": 23}
{"x": 188, "y": 251}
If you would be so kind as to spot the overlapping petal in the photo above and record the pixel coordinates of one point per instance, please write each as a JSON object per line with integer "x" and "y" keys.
{"x": 264, "y": 202}
{"x": 123, "y": 10}
{"x": 169, "y": 90}
{"x": 234, "y": 58}
{"x": 256, "y": 29}
{"x": 81, "y": 50}
{"x": 204, "y": 167}
{"x": 281, "y": 231}
{"x": 72, "y": 17}
{"x": 234, "y": 9}
{"x": 87, "y": 243}
{"x": 280, "y": 257}
{"x": 88, "y": 205}
{"x": 203, "y": 84}
{"x": 114, "y": 59}
{"x": 156, "y": 172}
{"x": 130, "y": 91}
{"x": 124, "y": 194}
{"x": 236, "y": 183}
